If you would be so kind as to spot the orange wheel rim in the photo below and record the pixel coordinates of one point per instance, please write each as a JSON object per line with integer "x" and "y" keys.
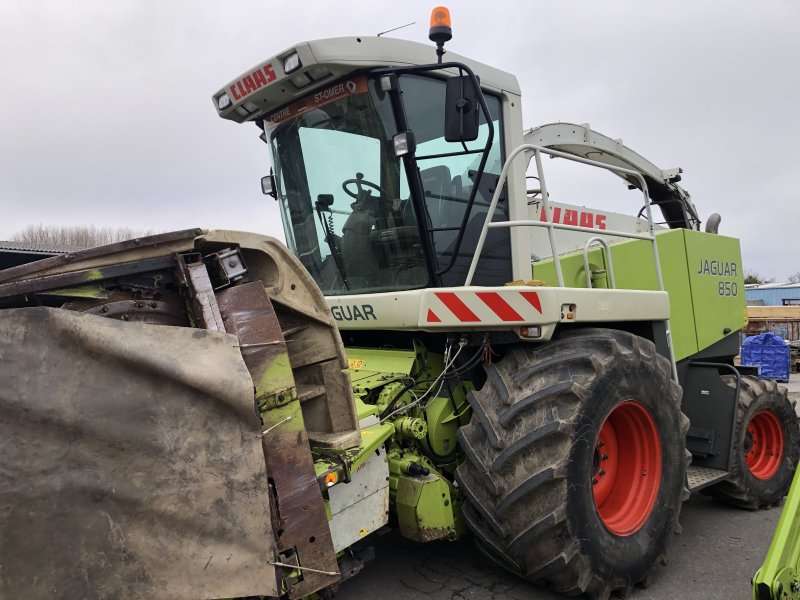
{"x": 763, "y": 446}
{"x": 627, "y": 468}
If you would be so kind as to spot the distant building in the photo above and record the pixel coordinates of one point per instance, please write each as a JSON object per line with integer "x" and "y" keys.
{"x": 773, "y": 294}
{"x": 19, "y": 253}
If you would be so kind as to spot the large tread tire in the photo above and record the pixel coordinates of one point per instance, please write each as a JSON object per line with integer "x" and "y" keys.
{"x": 530, "y": 446}
{"x": 743, "y": 488}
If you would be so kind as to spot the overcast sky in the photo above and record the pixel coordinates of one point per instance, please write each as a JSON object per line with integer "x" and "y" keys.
{"x": 106, "y": 114}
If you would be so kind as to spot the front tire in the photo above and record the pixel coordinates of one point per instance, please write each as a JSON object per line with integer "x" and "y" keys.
{"x": 766, "y": 446}
{"x": 536, "y": 499}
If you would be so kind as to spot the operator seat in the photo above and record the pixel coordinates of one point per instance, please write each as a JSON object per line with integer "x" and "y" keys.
{"x": 437, "y": 184}
{"x": 360, "y": 265}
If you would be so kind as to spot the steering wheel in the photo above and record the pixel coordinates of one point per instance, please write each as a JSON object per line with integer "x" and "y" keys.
{"x": 360, "y": 184}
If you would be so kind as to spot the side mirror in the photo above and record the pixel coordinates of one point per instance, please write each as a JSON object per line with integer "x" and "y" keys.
{"x": 268, "y": 185}
{"x": 461, "y": 110}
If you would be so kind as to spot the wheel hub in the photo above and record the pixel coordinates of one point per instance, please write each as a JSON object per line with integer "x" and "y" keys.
{"x": 626, "y": 468}
{"x": 764, "y": 453}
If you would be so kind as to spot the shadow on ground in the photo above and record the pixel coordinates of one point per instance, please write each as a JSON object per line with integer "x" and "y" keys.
{"x": 715, "y": 557}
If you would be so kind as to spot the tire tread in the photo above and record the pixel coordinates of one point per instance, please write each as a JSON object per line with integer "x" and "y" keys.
{"x": 517, "y": 513}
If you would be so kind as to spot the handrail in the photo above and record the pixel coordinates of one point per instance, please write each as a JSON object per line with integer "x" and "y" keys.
{"x": 607, "y": 255}
{"x": 551, "y": 226}
{"x": 527, "y": 223}
{"x": 537, "y": 152}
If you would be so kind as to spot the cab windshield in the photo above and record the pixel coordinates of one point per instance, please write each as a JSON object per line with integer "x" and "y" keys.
{"x": 344, "y": 195}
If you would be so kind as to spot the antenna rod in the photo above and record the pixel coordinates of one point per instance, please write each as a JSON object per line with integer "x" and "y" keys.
{"x": 396, "y": 28}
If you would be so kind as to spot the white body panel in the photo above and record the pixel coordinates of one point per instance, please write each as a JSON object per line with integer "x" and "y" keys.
{"x": 582, "y": 141}
{"x": 506, "y": 308}
{"x": 362, "y": 506}
{"x": 267, "y": 86}
{"x": 569, "y": 214}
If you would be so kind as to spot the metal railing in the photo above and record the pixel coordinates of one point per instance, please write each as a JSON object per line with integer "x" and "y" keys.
{"x": 537, "y": 152}
{"x": 606, "y": 258}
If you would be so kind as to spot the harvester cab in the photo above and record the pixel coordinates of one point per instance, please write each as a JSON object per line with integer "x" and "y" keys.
{"x": 383, "y": 173}
{"x": 533, "y": 366}
{"x": 389, "y": 174}
{"x": 389, "y": 117}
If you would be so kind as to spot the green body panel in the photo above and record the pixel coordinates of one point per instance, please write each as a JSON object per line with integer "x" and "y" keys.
{"x": 715, "y": 273}
{"x": 634, "y": 268}
{"x": 702, "y": 273}
{"x": 425, "y": 509}
{"x": 420, "y": 437}
{"x": 367, "y": 363}
{"x": 779, "y": 576}
{"x": 364, "y": 410}
{"x": 371, "y": 439}
{"x": 85, "y": 291}
{"x": 382, "y": 370}
{"x": 443, "y": 426}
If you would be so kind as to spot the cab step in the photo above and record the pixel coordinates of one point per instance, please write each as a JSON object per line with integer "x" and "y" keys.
{"x": 701, "y": 477}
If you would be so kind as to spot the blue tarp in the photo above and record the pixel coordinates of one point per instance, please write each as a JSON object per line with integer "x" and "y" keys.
{"x": 771, "y": 352}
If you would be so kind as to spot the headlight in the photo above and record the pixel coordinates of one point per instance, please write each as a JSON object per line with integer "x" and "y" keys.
{"x": 224, "y": 102}
{"x": 404, "y": 143}
{"x": 291, "y": 63}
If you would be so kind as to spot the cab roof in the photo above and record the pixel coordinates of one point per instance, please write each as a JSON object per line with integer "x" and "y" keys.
{"x": 267, "y": 86}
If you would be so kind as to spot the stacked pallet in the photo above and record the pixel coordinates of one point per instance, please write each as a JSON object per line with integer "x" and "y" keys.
{"x": 782, "y": 320}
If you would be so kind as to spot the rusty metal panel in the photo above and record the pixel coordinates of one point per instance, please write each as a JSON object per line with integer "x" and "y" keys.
{"x": 131, "y": 463}
{"x": 301, "y": 526}
{"x": 75, "y": 278}
{"x": 194, "y": 278}
{"x": 788, "y": 329}
{"x": 145, "y": 247}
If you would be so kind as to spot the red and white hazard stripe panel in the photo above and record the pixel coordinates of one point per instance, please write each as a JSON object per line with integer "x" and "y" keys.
{"x": 482, "y": 307}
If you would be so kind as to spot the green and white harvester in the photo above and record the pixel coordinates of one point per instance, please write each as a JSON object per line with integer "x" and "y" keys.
{"x": 444, "y": 349}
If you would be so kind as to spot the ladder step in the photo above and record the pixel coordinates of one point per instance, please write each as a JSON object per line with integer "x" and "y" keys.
{"x": 700, "y": 477}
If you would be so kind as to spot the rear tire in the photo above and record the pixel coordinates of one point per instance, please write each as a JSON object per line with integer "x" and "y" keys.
{"x": 766, "y": 446}
{"x": 532, "y": 455}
